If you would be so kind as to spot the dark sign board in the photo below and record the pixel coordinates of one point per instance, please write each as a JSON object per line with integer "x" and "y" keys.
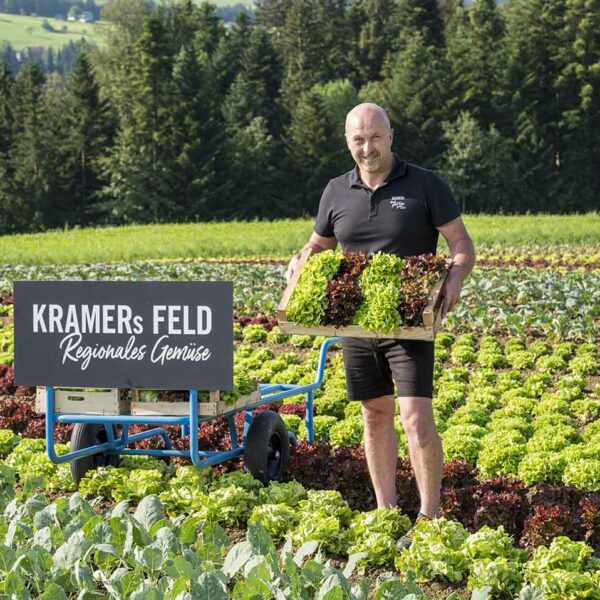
{"x": 142, "y": 334}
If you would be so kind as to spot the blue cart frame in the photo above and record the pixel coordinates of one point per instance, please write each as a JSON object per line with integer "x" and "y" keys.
{"x": 269, "y": 392}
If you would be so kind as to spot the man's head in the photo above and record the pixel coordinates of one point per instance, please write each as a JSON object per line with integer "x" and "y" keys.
{"x": 369, "y": 138}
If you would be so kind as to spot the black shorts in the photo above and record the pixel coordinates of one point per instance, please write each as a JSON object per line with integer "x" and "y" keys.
{"x": 372, "y": 363}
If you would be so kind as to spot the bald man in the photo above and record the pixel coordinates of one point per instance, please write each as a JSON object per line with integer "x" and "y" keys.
{"x": 386, "y": 204}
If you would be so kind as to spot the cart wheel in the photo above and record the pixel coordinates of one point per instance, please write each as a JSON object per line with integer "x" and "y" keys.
{"x": 83, "y": 436}
{"x": 267, "y": 446}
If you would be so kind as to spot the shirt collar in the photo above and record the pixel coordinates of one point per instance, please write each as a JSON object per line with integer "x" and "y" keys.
{"x": 398, "y": 170}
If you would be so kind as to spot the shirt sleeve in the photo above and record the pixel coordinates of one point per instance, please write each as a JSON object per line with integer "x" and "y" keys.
{"x": 441, "y": 203}
{"x": 324, "y": 222}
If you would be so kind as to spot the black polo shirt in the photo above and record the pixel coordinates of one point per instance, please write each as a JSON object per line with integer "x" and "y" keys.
{"x": 400, "y": 217}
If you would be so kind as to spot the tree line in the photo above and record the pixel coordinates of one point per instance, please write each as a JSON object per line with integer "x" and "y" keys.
{"x": 179, "y": 118}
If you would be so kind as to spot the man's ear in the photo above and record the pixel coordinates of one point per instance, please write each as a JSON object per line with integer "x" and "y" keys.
{"x": 391, "y": 135}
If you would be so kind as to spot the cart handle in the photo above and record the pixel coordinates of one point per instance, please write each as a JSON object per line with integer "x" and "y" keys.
{"x": 323, "y": 359}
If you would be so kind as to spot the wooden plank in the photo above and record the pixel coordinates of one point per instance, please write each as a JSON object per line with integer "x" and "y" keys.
{"x": 76, "y": 401}
{"x": 408, "y": 333}
{"x": 434, "y": 304}
{"x": 213, "y": 408}
{"x": 304, "y": 255}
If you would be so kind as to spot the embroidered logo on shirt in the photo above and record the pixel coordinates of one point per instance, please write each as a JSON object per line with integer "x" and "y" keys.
{"x": 398, "y": 203}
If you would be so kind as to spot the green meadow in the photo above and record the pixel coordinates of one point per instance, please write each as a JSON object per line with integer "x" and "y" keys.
{"x": 21, "y": 32}
{"x": 264, "y": 239}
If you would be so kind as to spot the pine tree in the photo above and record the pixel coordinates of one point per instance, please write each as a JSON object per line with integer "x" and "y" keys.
{"x": 475, "y": 53}
{"x": 475, "y": 167}
{"x": 272, "y": 13}
{"x": 209, "y": 30}
{"x": 202, "y": 175}
{"x": 141, "y": 164}
{"x": 420, "y": 17}
{"x": 6, "y": 141}
{"x": 302, "y": 46}
{"x": 227, "y": 56}
{"x": 255, "y": 91}
{"x": 535, "y": 39}
{"x": 27, "y": 165}
{"x": 89, "y": 131}
{"x": 375, "y": 27}
{"x": 316, "y": 147}
{"x": 415, "y": 96}
{"x": 579, "y": 87}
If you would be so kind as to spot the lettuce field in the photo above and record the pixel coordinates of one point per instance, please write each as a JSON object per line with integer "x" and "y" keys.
{"x": 517, "y": 404}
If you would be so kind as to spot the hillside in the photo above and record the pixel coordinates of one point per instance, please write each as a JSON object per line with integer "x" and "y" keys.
{"x": 21, "y": 32}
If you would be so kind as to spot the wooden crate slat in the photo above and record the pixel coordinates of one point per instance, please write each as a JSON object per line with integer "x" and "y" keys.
{"x": 74, "y": 401}
{"x": 213, "y": 408}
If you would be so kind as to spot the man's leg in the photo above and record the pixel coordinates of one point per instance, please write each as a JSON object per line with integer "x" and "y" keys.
{"x": 381, "y": 447}
{"x": 425, "y": 450}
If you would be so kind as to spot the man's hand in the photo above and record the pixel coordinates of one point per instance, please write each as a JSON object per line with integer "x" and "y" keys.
{"x": 318, "y": 243}
{"x": 291, "y": 267}
{"x": 451, "y": 292}
{"x": 463, "y": 259}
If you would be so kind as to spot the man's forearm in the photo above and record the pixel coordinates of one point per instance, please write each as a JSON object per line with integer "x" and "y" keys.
{"x": 463, "y": 258}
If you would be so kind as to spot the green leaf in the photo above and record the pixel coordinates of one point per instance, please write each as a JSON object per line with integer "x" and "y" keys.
{"x": 259, "y": 539}
{"x": 335, "y": 587}
{"x": 7, "y": 558}
{"x": 531, "y": 593}
{"x": 145, "y": 591}
{"x": 189, "y": 529}
{"x": 149, "y": 511}
{"x": 179, "y": 568}
{"x": 179, "y": 590}
{"x": 150, "y": 557}
{"x": 71, "y": 551}
{"x": 209, "y": 586}
{"x": 482, "y": 593}
{"x": 43, "y": 538}
{"x": 82, "y": 577}
{"x": 352, "y": 561}
{"x": 54, "y": 592}
{"x": 307, "y": 549}
{"x": 236, "y": 558}
{"x": 14, "y": 587}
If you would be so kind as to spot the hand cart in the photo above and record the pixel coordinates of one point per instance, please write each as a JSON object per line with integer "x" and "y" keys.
{"x": 265, "y": 443}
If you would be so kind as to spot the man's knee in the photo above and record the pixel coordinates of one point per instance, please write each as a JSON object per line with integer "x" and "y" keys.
{"x": 418, "y": 421}
{"x": 378, "y": 413}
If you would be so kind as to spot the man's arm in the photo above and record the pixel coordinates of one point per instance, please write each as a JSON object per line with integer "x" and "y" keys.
{"x": 462, "y": 252}
{"x": 318, "y": 243}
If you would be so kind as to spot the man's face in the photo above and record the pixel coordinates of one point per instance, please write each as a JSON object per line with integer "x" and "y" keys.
{"x": 369, "y": 139}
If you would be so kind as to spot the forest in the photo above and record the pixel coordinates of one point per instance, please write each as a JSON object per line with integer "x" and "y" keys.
{"x": 178, "y": 117}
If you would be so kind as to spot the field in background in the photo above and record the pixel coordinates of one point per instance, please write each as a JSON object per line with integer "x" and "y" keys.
{"x": 277, "y": 239}
{"x": 21, "y": 32}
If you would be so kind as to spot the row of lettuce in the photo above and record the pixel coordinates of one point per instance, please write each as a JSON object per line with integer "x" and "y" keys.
{"x": 175, "y": 539}
{"x": 507, "y": 301}
{"x": 534, "y": 425}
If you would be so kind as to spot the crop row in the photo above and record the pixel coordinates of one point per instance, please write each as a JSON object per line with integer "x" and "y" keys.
{"x": 198, "y": 502}
{"x": 524, "y": 302}
{"x": 515, "y": 410}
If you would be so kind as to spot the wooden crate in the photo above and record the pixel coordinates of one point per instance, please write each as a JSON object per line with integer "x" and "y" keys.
{"x": 428, "y": 331}
{"x": 77, "y": 401}
{"x": 213, "y": 408}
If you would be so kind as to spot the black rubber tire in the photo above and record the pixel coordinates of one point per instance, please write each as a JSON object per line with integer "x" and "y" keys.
{"x": 83, "y": 436}
{"x": 267, "y": 447}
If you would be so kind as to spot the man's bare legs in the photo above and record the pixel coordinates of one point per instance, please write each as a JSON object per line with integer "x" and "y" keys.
{"x": 381, "y": 447}
{"x": 425, "y": 450}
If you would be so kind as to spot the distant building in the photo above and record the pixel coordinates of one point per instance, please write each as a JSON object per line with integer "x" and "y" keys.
{"x": 86, "y": 17}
